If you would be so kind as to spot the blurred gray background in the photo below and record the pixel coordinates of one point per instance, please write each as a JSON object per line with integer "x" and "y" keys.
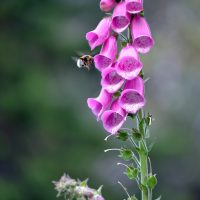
{"x": 45, "y": 126}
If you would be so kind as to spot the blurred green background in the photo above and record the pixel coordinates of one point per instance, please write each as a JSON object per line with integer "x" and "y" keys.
{"x": 46, "y": 128}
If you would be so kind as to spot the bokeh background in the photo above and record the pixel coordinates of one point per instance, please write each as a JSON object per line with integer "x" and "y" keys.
{"x": 46, "y": 128}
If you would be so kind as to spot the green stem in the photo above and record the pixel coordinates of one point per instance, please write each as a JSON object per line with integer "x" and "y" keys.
{"x": 143, "y": 170}
{"x": 143, "y": 156}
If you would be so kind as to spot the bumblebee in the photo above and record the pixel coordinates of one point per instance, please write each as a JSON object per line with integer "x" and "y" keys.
{"x": 85, "y": 61}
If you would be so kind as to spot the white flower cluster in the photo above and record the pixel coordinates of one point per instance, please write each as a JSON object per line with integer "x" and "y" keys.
{"x": 72, "y": 189}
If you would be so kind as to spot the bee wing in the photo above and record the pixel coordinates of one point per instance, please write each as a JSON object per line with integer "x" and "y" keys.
{"x": 80, "y": 53}
{"x": 75, "y": 59}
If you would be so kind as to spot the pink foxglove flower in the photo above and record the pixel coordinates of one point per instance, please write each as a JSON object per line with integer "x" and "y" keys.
{"x": 134, "y": 6}
{"x": 132, "y": 98}
{"x": 107, "y": 54}
{"x": 141, "y": 34}
{"x": 100, "y": 33}
{"x": 129, "y": 64}
{"x": 107, "y": 5}
{"x": 120, "y": 18}
{"x": 111, "y": 80}
{"x": 100, "y": 104}
{"x": 114, "y": 118}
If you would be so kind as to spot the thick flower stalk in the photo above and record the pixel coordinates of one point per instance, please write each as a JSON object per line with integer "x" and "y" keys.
{"x": 122, "y": 94}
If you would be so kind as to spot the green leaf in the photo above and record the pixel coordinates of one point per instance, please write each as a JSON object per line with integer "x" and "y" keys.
{"x": 141, "y": 74}
{"x": 100, "y": 189}
{"x": 142, "y": 187}
{"x": 142, "y": 13}
{"x": 132, "y": 198}
{"x": 151, "y": 182}
{"x": 126, "y": 154}
{"x": 136, "y": 134}
{"x": 122, "y": 135}
{"x": 84, "y": 183}
{"x": 132, "y": 173}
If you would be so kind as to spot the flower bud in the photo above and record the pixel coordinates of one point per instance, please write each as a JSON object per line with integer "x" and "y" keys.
{"x": 107, "y": 5}
{"x": 134, "y": 6}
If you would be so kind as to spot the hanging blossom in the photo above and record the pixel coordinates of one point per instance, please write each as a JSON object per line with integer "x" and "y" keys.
{"x": 122, "y": 93}
{"x": 120, "y": 68}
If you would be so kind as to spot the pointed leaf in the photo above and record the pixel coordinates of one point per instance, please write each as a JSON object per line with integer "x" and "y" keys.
{"x": 152, "y": 181}
{"x": 132, "y": 198}
{"x": 84, "y": 183}
{"x": 132, "y": 173}
{"x": 142, "y": 187}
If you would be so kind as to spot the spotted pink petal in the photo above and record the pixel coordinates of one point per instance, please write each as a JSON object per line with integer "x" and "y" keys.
{"x": 134, "y": 6}
{"x": 129, "y": 64}
{"x": 107, "y": 5}
{"x": 111, "y": 80}
{"x": 120, "y": 18}
{"x": 114, "y": 118}
{"x": 132, "y": 98}
{"x": 100, "y": 33}
{"x": 99, "y": 104}
{"x": 141, "y": 34}
{"x": 107, "y": 55}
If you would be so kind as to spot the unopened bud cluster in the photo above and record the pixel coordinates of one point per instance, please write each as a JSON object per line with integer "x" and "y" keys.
{"x": 76, "y": 189}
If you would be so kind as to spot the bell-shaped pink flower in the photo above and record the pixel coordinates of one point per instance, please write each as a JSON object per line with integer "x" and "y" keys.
{"x": 132, "y": 98}
{"x": 141, "y": 34}
{"x": 114, "y": 118}
{"x": 100, "y": 104}
{"x": 129, "y": 64}
{"x": 107, "y": 55}
{"x": 111, "y": 80}
{"x": 107, "y": 5}
{"x": 134, "y": 6}
{"x": 100, "y": 33}
{"x": 120, "y": 17}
